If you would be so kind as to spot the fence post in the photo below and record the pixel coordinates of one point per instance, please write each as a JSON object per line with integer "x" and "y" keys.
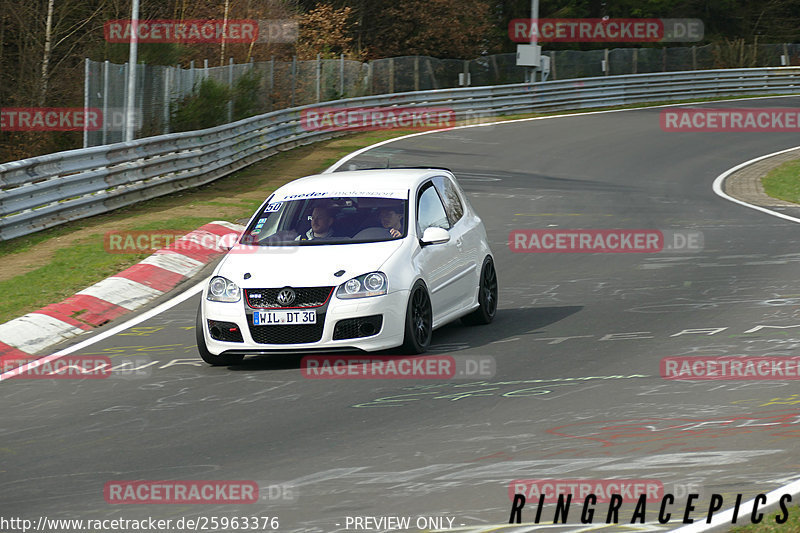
{"x": 319, "y": 77}
{"x": 664, "y": 59}
{"x": 391, "y": 75}
{"x": 694, "y": 57}
{"x": 271, "y": 80}
{"x": 294, "y": 77}
{"x": 86, "y": 103}
{"x": 205, "y": 69}
{"x": 125, "y": 99}
{"x": 606, "y": 66}
{"x": 370, "y": 80}
{"x": 105, "y": 101}
{"x": 341, "y": 76}
{"x": 167, "y": 85}
{"x": 416, "y": 73}
{"x": 553, "y": 66}
{"x": 191, "y": 72}
{"x": 434, "y": 83}
{"x": 635, "y": 61}
{"x": 230, "y": 86}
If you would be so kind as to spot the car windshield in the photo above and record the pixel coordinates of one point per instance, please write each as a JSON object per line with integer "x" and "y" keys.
{"x": 328, "y": 220}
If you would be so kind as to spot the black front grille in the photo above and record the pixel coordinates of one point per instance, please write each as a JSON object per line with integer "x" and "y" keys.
{"x": 354, "y": 328}
{"x": 224, "y": 331}
{"x": 299, "y": 334}
{"x": 304, "y": 297}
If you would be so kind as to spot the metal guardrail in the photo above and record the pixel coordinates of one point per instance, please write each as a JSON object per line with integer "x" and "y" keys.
{"x": 45, "y": 191}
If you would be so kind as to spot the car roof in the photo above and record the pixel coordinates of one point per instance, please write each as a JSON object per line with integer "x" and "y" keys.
{"x": 390, "y": 179}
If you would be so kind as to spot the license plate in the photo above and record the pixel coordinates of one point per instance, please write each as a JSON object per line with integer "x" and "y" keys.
{"x": 284, "y": 318}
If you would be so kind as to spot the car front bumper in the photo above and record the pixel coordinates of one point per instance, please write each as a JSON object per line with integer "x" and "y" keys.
{"x": 390, "y": 307}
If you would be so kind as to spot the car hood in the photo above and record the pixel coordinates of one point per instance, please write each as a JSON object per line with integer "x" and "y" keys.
{"x": 304, "y": 266}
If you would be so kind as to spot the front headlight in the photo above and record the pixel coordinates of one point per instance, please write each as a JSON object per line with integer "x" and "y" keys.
{"x": 223, "y": 290}
{"x": 372, "y": 284}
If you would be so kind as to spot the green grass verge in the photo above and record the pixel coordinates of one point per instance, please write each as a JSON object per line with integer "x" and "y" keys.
{"x": 783, "y": 182}
{"x": 71, "y": 269}
{"x": 792, "y": 525}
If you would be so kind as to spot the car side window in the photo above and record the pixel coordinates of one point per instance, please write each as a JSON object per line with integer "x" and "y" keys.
{"x": 430, "y": 211}
{"x": 452, "y": 202}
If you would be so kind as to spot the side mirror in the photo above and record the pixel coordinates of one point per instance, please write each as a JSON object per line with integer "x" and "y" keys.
{"x": 434, "y": 235}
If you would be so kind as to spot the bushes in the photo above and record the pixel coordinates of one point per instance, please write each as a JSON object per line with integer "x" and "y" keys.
{"x": 207, "y": 105}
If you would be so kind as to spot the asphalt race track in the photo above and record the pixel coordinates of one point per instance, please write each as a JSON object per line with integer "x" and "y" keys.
{"x": 577, "y": 344}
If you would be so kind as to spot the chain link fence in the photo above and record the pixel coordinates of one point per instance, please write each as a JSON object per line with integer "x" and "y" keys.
{"x": 285, "y": 84}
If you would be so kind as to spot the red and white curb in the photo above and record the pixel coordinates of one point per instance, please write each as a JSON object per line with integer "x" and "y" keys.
{"x": 117, "y": 295}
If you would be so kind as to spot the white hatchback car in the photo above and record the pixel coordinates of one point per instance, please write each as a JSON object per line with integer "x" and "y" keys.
{"x": 358, "y": 260}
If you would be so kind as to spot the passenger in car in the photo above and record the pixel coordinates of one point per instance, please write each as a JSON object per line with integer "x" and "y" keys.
{"x": 392, "y": 220}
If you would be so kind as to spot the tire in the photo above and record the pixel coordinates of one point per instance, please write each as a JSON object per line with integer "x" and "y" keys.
{"x": 487, "y": 296}
{"x": 419, "y": 320}
{"x": 205, "y": 355}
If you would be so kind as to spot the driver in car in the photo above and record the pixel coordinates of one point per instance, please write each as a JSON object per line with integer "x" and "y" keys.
{"x": 321, "y": 223}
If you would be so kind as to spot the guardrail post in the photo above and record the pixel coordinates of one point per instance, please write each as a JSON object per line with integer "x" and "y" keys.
{"x": 694, "y": 57}
{"x": 606, "y": 68}
{"x": 635, "y": 60}
{"x": 416, "y": 73}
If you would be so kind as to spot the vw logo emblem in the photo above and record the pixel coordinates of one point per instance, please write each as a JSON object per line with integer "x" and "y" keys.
{"x": 286, "y": 297}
